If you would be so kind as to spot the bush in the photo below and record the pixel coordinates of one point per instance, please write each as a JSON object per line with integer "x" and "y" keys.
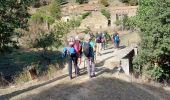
{"x": 131, "y": 2}
{"x": 84, "y": 15}
{"x": 82, "y": 1}
{"x": 118, "y": 22}
{"x": 104, "y": 2}
{"x": 124, "y": 1}
{"x": 106, "y": 13}
{"x": 154, "y": 51}
{"x": 74, "y": 23}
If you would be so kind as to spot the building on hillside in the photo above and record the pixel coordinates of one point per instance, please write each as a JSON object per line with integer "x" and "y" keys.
{"x": 94, "y": 21}
{"x": 118, "y": 13}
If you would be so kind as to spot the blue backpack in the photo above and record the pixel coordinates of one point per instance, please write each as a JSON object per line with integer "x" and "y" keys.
{"x": 70, "y": 51}
{"x": 117, "y": 38}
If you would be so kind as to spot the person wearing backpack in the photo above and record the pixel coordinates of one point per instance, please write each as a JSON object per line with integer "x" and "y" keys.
{"x": 117, "y": 41}
{"x": 88, "y": 50}
{"x": 113, "y": 38}
{"x": 78, "y": 48}
{"x": 98, "y": 43}
{"x": 70, "y": 53}
{"x": 103, "y": 40}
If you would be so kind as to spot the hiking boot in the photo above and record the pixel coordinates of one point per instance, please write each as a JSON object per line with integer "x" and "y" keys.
{"x": 93, "y": 75}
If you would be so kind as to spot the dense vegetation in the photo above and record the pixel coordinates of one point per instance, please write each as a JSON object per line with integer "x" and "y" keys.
{"x": 153, "y": 19}
{"x": 37, "y": 35}
{"x": 13, "y": 15}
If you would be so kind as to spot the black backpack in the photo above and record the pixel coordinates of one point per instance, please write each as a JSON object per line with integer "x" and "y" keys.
{"x": 86, "y": 49}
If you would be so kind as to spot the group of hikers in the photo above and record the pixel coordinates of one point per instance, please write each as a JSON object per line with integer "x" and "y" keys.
{"x": 88, "y": 47}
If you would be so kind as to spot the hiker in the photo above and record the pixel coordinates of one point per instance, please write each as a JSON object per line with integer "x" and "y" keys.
{"x": 103, "y": 40}
{"x": 88, "y": 50}
{"x": 117, "y": 41}
{"x": 113, "y": 38}
{"x": 70, "y": 53}
{"x": 78, "y": 48}
{"x": 98, "y": 43}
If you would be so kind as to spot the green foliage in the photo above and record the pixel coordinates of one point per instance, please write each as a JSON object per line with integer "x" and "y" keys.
{"x": 54, "y": 37}
{"x": 106, "y": 13}
{"x": 55, "y": 9}
{"x": 84, "y": 15}
{"x": 35, "y": 3}
{"x": 37, "y": 18}
{"x": 118, "y": 22}
{"x": 81, "y": 1}
{"x": 133, "y": 2}
{"x": 104, "y": 2}
{"x": 153, "y": 19}
{"x": 13, "y": 16}
{"x": 75, "y": 22}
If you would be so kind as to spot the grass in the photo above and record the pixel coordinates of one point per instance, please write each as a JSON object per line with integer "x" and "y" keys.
{"x": 14, "y": 66}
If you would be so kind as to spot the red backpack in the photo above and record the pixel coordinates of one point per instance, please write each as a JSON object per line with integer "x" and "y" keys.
{"x": 78, "y": 47}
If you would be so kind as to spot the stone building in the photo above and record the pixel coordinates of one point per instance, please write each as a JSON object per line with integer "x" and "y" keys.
{"x": 118, "y": 13}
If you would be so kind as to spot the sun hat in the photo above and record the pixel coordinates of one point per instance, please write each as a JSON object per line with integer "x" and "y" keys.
{"x": 77, "y": 38}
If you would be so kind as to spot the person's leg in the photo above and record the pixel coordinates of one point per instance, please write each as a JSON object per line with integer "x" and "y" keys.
{"x": 75, "y": 65}
{"x": 92, "y": 67}
{"x": 100, "y": 47}
{"x": 97, "y": 48}
{"x": 104, "y": 45}
{"x": 78, "y": 64}
{"x": 88, "y": 66}
{"x": 70, "y": 67}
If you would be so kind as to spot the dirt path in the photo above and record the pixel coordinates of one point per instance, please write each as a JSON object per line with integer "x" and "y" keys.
{"x": 106, "y": 86}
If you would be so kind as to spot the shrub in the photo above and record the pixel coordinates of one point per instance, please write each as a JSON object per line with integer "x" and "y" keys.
{"x": 154, "y": 51}
{"x": 84, "y": 15}
{"x": 106, "y": 13}
{"x": 104, "y": 2}
{"x": 133, "y": 2}
{"x": 118, "y": 22}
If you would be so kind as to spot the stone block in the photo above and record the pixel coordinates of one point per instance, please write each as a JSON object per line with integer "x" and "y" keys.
{"x": 125, "y": 65}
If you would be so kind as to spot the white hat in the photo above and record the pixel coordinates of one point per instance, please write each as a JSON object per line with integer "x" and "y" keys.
{"x": 77, "y": 38}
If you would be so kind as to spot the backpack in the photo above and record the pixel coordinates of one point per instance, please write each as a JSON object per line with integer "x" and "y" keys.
{"x": 78, "y": 47}
{"x": 98, "y": 38}
{"x": 71, "y": 51}
{"x": 86, "y": 49}
{"x": 103, "y": 38}
{"x": 117, "y": 38}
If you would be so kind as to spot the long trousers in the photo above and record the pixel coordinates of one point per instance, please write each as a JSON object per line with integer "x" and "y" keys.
{"x": 90, "y": 65}
{"x": 74, "y": 60}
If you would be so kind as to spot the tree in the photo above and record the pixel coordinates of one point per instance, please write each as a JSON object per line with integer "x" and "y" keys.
{"x": 153, "y": 19}
{"x": 55, "y": 9}
{"x": 13, "y": 15}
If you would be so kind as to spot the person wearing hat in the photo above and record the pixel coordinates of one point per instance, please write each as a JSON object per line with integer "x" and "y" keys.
{"x": 70, "y": 52}
{"x": 88, "y": 50}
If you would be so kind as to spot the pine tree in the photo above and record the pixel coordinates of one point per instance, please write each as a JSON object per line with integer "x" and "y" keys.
{"x": 153, "y": 19}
